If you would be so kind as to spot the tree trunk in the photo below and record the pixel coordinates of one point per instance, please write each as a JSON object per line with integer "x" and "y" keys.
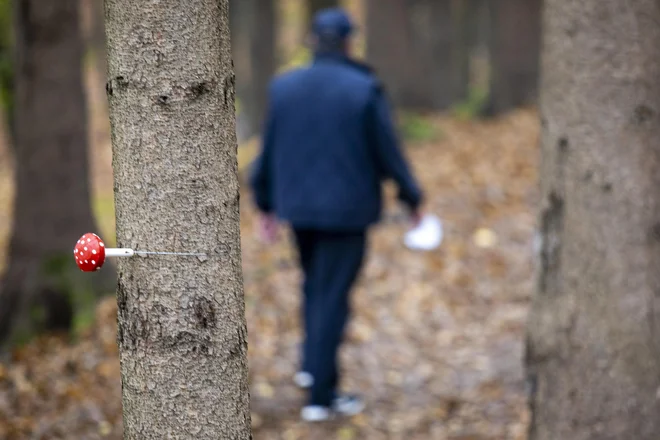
{"x": 314, "y": 6}
{"x": 93, "y": 29}
{"x": 515, "y": 27}
{"x": 98, "y": 38}
{"x": 593, "y": 354}
{"x": 463, "y": 46}
{"x": 52, "y": 206}
{"x": 477, "y": 36}
{"x": 181, "y": 320}
{"x": 7, "y": 70}
{"x": 418, "y": 63}
{"x": 478, "y": 24}
{"x": 253, "y": 50}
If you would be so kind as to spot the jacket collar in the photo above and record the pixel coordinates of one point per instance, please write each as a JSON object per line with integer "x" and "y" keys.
{"x": 341, "y": 58}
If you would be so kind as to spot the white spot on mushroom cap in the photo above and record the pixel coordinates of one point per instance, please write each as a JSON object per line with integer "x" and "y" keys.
{"x": 101, "y": 244}
{"x": 94, "y": 251}
{"x": 93, "y": 263}
{"x": 88, "y": 240}
{"x": 86, "y": 261}
{"x": 85, "y": 248}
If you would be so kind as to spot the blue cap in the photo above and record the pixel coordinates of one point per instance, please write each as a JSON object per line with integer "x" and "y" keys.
{"x": 332, "y": 23}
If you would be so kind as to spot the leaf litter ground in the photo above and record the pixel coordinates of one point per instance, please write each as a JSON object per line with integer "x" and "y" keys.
{"x": 436, "y": 340}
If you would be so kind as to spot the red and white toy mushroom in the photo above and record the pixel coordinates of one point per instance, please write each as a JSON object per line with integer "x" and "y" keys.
{"x": 90, "y": 252}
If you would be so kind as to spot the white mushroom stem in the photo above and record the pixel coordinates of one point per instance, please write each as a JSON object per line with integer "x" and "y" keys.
{"x": 119, "y": 252}
{"x": 126, "y": 252}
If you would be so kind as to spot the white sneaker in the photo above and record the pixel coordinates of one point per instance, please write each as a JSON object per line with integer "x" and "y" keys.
{"x": 315, "y": 413}
{"x": 348, "y": 405}
{"x": 303, "y": 379}
{"x": 344, "y": 405}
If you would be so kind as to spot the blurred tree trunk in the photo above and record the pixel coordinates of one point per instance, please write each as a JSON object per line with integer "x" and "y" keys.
{"x": 515, "y": 45}
{"x": 418, "y": 62}
{"x": 7, "y": 69}
{"x": 478, "y": 23}
{"x": 52, "y": 206}
{"x": 181, "y": 320}
{"x": 593, "y": 353}
{"x": 314, "y": 6}
{"x": 98, "y": 39}
{"x": 93, "y": 29}
{"x": 253, "y": 49}
{"x": 463, "y": 45}
{"x": 478, "y": 34}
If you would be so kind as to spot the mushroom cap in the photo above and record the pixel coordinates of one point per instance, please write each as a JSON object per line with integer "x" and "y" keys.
{"x": 89, "y": 252}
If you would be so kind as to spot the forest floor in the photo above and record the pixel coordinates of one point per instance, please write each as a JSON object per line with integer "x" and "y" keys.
{"x": 436, "y": 341}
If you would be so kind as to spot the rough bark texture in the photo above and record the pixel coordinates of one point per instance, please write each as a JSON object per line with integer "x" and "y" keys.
{"x": 418, "y": 62}
{"x": 593, "y": 353}
{"x": 52, "y": 204}
{"x": 181, "y": 320}
{"x": 253, "y": 50}
{"x": 515, "y": 36}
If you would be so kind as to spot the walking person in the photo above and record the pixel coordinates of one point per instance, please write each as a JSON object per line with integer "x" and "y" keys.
{"x": 328, "y": 143}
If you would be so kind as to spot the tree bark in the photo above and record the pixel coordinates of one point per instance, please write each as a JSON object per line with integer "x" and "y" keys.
{"x": 52, "y": 206}
{"x": 515, "y": 28}
{"x": 181, "y": 320}
{"x": 593, "y": 353}
{"x": 418, "y": 63}
{"x": 253, "y": 49}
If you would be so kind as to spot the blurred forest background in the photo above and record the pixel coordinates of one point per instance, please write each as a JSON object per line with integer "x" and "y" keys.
{"x": 437, "y": 340}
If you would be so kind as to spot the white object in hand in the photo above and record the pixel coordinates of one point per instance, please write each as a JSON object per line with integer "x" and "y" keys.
{"x": 426, "y": 236}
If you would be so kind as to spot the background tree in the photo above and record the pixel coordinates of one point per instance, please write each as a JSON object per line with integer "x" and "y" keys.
{"x": 313, "y": 6}
{"x": 6, "y": 67}
{"x": 593, "y": 354}
{"x": 52, "y": 206}
{"x": 181, "y": 321}
{"x": 253, "y": 49}
{"x": 419, "y": 62}
{"x": 97, "y": 38}
{"x": 515, "y": 37}
{"x": 93, "y": 29}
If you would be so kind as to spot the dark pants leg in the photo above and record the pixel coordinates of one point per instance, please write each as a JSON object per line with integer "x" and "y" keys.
{"x": 331, "y": 262}
{"x": 305, "y": 242}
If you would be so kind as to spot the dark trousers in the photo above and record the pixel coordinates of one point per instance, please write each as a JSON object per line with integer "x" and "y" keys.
{"x": 330, "y": 262}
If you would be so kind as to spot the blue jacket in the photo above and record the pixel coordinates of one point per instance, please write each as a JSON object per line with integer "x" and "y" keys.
{"x": 328, "y": 142}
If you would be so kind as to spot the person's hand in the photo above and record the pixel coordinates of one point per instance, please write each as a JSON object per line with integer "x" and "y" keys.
{"x": 267, "y": 224}
{"x": 416, "y": 217}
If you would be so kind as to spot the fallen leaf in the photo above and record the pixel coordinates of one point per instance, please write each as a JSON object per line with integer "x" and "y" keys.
{"x": 484, "y": 238}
